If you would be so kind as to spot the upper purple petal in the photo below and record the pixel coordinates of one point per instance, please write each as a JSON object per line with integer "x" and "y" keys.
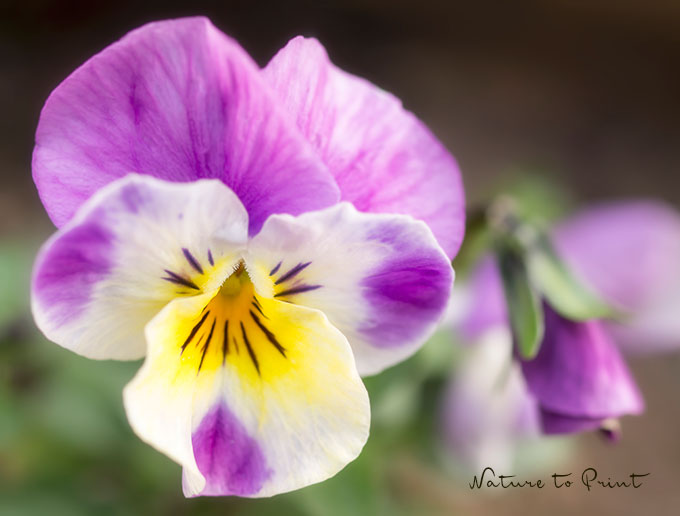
{"x": 177, "y": 100}
{"x": 383, "y": 158}
{"x": 629, "y": 252}
{"x": 579, "y": 371}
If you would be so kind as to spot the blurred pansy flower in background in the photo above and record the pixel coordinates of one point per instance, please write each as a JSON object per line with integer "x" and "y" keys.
{"x": 572, "y": 377}
{"x": 261, "y": 236}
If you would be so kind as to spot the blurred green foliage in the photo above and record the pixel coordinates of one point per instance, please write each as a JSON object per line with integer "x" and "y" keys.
{"x": 538, "y": 200}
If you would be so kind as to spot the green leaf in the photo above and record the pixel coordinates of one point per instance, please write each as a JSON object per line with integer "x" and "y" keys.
{"x": 567, "y": 295}
{"x": 524, "y": 304}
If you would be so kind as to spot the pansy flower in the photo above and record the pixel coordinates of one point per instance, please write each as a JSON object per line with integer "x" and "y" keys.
{"x": 261, "y": 236}
{"x": 628, "y": 252}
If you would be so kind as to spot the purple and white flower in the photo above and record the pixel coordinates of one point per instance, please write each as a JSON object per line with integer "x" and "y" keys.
{"x": 261, "y": 236}
{"x": 628, "y": 252}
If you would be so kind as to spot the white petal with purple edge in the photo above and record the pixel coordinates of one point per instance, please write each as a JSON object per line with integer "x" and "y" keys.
{"x": 382, "y": 280}
{"x": 134, "y": 246}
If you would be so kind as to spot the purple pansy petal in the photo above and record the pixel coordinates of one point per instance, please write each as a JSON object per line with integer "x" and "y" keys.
{"x": 554, "y": 423}
{"x": 657, "y": 329}
{"x": 629, "y": 252}
{"x": 579, "y": 372}
{"x": 484, "y": 307}
{"x": 104, "y": 275}
{"x": 180, "y": 101}
{"x": 383, "y": 158}
{"x": 382, "y": 280}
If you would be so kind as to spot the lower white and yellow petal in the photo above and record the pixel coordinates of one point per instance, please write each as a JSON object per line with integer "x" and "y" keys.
{"x": 383, "y": 280}
{"x": 251, "y": 395}
{"x": 131, "y": 248}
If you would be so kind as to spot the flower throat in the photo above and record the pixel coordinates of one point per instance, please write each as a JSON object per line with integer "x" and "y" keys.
{"x": 231, "y": 324}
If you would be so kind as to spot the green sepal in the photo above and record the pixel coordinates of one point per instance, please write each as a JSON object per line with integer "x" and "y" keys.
{"x": 524, "y": 304}
{"x": 562, "y": 290}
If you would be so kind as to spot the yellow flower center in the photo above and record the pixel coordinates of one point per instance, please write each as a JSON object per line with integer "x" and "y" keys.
{"x": 238, "y": 327}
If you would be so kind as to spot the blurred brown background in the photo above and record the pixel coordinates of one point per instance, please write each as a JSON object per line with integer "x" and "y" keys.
{"x": 585, "y": 93}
